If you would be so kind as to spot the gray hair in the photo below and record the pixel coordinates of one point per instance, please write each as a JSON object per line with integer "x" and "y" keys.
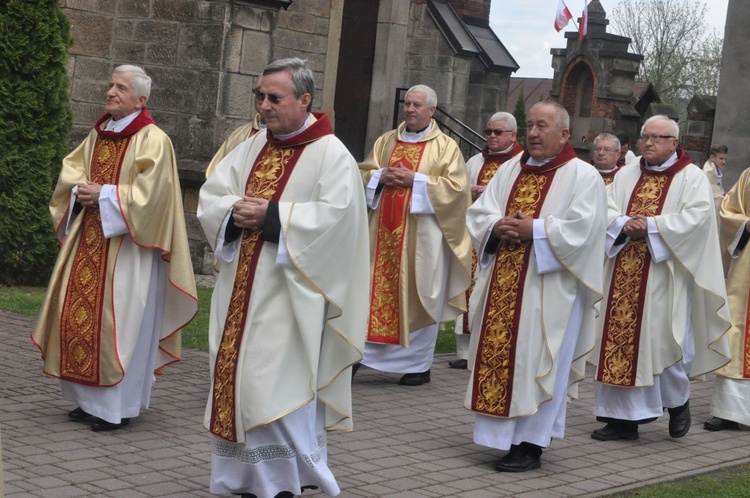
{"x": 608, "y": 136}
{"x": 508, "y": 118}
{"x": 430, "y": 97}
{"x": 561, "y": 113}
{"x": 141, "y": 80}
{"x": 662, "y": 117}
{"x": 300, "y": 72}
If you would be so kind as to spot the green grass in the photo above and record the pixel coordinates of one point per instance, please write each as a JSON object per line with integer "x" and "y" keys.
{"x": 28, "y": 300}
{"x": 22, "y": 300}
{"x": 726, "y": 483}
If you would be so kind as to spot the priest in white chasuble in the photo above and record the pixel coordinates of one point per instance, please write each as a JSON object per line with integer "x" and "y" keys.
{"x": 286, "y": 216}
{"x": 123, "y": 285}
{"x": 417, "y": 191}
{"x": 666, "y": 315}
{"x": 538, "y": 229}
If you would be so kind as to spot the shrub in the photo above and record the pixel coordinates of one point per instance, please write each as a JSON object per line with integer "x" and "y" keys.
{"x": 35, "y": 118}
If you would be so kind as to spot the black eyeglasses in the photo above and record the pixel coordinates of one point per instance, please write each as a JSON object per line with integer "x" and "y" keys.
{"x": 274, "y": 99}
{"x": 490, "y": 131}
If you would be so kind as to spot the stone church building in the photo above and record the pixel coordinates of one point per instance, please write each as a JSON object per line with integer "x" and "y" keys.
{"x": 204, "y": 57}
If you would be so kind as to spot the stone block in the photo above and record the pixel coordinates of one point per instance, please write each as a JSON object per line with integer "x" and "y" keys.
{"x": 301, "y": 41}
{"x": 161, "y": 54}
{"x": 163, "y": 32}
{"x": 92, "y": 33}
{"x": 124, "y": 29}
{"x": 317, "y": 61}
{"x": 304, "y": 23}
{"x": 86, "y": 114}
{"x": 247, "y": 17}
{"x": 696, "y": 128}
{"x": 233, "y": 50}
{"x": 127, "y": 52}
{"x": 256, "y": 52}
{"x": 90, "y": 68}
{"x": 200, "y": 132}
{"x": 77, "y": 134}
{"x": 175, "y": 10}
{"x": 96, "y": 6}
{"x": 319, "y": 8}
{"x": 423, "y": 46}
{"x": 200, "y": 46}
{"x": 322, "y": 26}
{"x": 85, "y": 91}
{"x": 237, "y": 96}
{"x": 211, "y": 11}
{"x": 167, "y": 121}
{"x": 138, "y": 9}
{"x": 459, "y": 90}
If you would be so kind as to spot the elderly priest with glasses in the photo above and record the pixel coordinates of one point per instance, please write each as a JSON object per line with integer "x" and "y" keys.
{"x": 666, "y": 315}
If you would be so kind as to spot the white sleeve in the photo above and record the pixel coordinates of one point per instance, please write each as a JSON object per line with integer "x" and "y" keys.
{"x": 371, "y": 194}
{"x": 420, "y": 201}
{"x": 659, "y": 250}
{"x": 71, "y": 214}
{"x": 282, "y": 256}
{"x": 113, "y": 223}
{"x": 546, "y": 261}
{"x": 224, "y": 251}
{"x": 732, "y": 248}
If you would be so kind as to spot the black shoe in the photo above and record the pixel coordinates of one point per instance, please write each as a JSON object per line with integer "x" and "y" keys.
{"x": 679, "y": 420}
{"x": 459, "y": 364}
{"x": 355, "y": 369}
{"x": 614, "y": 431}
{"x": 99, "y": 425}
{"x": 720, "y": 424}
{"x": 416, "y": 379}
{"x": 79, "y": 415}
{"x": 517, "y": 461}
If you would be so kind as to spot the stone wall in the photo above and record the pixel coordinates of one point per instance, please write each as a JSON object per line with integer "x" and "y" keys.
{"x": 203, "y": 57}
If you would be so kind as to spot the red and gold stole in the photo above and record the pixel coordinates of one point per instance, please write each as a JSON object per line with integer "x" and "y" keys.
{"x": 610, "y": 176}
{"x": 495, "y": 362}
{"x": 386, "y": 315}
{"x": 491, "y": 164}
{"x": 267, "y": 179}
{"x": 618, "y": 356}
{"x": 85, "y": 301}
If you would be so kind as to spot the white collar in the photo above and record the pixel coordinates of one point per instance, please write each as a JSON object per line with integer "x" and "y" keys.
{"x": 117, "y": 125}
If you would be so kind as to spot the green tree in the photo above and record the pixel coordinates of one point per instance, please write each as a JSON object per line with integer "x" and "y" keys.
{"x": 520, "y": 114}
{"x": 682, "y": 56}
{"x": 35, "y": 118}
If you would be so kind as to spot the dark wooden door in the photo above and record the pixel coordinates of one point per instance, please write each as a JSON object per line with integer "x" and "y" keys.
{"x": 354, "y": 76}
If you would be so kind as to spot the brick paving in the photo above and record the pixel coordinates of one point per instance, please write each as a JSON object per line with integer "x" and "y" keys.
{"x": 407, "y": 442}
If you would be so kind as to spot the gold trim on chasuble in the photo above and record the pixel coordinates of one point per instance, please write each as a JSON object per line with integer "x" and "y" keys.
{"x": 618, "y": 356}
{"x": 608, "y": 179}
{"x": 83, "y": 307}
{"x": 495, "y": 363}
{"x": 746, "y": 349}
{"x": 267, "y": 180}
{"x": 488, "y": 170}
{"x": 385, "y": 306}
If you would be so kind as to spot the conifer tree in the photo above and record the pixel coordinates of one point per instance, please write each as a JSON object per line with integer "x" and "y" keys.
{"x": 35, "y": 118}
{"x": 520, "y": 114}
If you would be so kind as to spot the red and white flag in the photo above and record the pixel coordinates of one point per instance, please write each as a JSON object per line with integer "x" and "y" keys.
{"x": 563, "y": 16}
{"x": 584, "y": 26}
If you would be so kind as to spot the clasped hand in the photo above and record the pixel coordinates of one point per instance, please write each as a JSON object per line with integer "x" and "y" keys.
{"x": 250, "y": 212}
{"x": 514, "y": 229}
{"x": 636, "y": 227}
{"x": 88, "y": 194}
{"x": 398, "y": 176}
